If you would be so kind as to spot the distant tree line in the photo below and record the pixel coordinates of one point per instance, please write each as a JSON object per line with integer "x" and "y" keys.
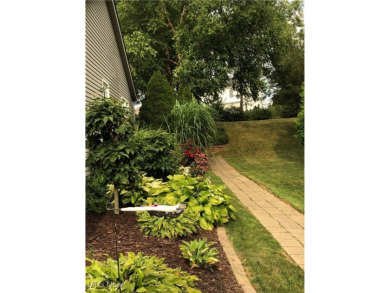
{"x": 200, "y": 45}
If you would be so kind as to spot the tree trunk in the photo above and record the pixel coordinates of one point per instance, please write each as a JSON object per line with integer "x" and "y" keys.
{"x": 241, "y": 103}
{"x": 116, "y": 200}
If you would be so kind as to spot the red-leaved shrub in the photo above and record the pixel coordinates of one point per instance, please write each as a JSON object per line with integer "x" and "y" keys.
{"x": 195, "y": 159}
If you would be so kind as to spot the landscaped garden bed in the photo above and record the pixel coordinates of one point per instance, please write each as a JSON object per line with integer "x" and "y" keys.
{"x": 100, "y": 240}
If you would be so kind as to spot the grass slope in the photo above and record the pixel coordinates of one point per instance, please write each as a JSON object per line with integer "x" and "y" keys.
{"x": 268, "y": 153}
{"x": 267, "y": 264}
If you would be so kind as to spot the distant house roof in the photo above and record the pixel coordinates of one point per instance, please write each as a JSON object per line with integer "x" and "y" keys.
{"x": 121, "y": 46}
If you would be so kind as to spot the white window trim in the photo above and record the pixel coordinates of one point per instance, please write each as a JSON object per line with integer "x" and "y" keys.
{"x": 105, "y": 81}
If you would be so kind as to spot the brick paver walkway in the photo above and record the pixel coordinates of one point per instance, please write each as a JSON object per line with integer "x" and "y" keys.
{"x": 234, "y": 261}
{"x": 285, "y": 223}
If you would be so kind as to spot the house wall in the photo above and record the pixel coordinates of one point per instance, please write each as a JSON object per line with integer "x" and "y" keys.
{"x": 230, "y": 98}
{"x": 102, "y": 55}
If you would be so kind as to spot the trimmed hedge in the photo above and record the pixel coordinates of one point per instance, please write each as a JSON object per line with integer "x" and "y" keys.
{"x": 234, "y": 114}
{"x": 258, "y": 114}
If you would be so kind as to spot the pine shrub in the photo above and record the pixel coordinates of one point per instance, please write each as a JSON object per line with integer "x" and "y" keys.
{"x": 158, "y": 102}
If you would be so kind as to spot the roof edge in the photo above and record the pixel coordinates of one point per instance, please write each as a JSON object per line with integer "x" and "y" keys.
{"x": 121, "y": 45}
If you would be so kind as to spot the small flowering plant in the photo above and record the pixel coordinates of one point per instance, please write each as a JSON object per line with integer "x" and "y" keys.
{"x": 195, "y": 159}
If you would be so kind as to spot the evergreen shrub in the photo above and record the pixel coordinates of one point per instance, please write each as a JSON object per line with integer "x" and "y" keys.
{"x": 158, "y": 102}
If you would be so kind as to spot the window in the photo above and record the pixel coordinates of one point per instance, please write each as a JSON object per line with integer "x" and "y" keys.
{"x": 126, "y": 104}
{"x": 105, "y": 88}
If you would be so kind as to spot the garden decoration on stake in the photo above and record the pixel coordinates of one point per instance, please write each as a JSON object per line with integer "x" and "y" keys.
{"x": 155, "y": 209}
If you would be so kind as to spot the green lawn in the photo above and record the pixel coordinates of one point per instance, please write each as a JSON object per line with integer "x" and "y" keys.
{"x": 267, "y": 152}
{"x": 266, "y": 263}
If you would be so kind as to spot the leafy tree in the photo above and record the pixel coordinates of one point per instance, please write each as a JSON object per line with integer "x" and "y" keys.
{"x": 182, "y": 39}
{"x": 287, "y": 59}
{"x": 109, "y": 125}
{"x": 203, "y": 44}
{"x": 247, "y": 30}
{"x": 300, "y": 123}
{"x": 184, "y": 94}
{"x": 158, "y": 102}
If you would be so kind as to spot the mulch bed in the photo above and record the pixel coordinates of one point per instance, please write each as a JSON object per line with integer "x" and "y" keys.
{"x": 100, "y": 240}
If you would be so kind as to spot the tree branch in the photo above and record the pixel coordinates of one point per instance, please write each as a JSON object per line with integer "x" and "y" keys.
{"x": 183, "y": 13}
{"x": 174, "y": 62}
{"x": 170, "y": 24}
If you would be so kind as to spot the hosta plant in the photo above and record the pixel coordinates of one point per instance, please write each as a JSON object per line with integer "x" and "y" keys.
{"x": 137, "y": 273}
{"x": 167, "y": 226}
{"x": 135, "y": 194}
{"x": 204, "y": 199}
{"x": 200, "y": 253}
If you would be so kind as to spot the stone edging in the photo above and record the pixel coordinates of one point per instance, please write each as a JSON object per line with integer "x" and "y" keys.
{"x": 234, "y": 261}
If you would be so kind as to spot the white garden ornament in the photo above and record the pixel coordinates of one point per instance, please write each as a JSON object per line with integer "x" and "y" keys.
{"x": 176, "y": 209}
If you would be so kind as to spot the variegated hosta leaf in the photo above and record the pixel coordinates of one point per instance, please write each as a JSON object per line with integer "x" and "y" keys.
{"x": 199, "y": 253}
{"x": 138, "y": 274}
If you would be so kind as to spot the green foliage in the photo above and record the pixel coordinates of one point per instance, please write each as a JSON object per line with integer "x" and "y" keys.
{"x": 158, "y": 152}
{"x": 258, "y": 114}
{"x": 200, "y": 253}
{"x": 158, "y": 102}
{"x": 207, "y": 201}
{"x": 113, "y": 163}
{"x": 235, "y": 114}
{"x": 135, "y": 193}
{"x": 109, "y": 125}
{"x": 182, "y": 39}
{"x": 137, "y": 274}
{"x": 96, "y": 198}
{"x": 184, "y": 95}
{"x": 168, "y": 226}
{"x": 193, "y": 121}
{"x": 219, "y": 111}
{"x": 249, "y": 33}
{"x": 276, "y": 111}
{"x": 198, "y": 43}
{"x": 288, "y": 60}
{"x": 289, "y": 111}
{"x": 154, "y": 152}
{"x": 107, "y": 120}
{"x": 300, "y": 123}
{"x": 221, "y": 137}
